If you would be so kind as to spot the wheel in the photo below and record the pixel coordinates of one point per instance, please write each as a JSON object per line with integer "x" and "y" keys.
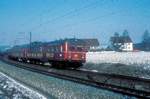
{"x": 76, "y": 65}
{"x": 58, "y": 65}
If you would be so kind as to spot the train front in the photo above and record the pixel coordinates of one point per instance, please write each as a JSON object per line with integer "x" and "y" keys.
{"x": 74, "y": 54}
{"x": 66, "y": 53}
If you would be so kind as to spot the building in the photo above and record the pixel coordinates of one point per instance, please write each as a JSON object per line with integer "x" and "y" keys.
{"x": 92, "y": 44}
{"x": 121, "y": 43}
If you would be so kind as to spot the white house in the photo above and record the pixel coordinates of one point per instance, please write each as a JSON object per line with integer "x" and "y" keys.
{"x": 127, "y": 46}
{"x": 122, "y": 43}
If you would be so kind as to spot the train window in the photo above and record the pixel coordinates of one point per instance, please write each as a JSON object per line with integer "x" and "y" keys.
{"x": 74, "y": 48}
{"x": 79, "y": 49}
{"x": 56, "y": 49}
{"x": 61, "y": 48}
{"x": 52, "y": 49}
{"x": 41, "y": 49}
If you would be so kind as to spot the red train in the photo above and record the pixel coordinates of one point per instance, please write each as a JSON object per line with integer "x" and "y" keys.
{"x": 61, "y": 53}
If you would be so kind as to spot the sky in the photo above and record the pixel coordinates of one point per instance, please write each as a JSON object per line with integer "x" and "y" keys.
{"x": 49, "y": 20}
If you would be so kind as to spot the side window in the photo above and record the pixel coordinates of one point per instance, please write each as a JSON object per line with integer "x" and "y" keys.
{"x": 72, "y": 48}
{"x": 52, "y": 49}
{"x": 61, "y": 48}
{"x": 79, "y": 48}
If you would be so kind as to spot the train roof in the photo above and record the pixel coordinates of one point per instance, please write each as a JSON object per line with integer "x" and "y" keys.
{"x": 72, "y": 41}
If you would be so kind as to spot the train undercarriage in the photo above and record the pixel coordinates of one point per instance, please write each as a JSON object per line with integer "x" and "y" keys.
{"x": 63, "y": 64}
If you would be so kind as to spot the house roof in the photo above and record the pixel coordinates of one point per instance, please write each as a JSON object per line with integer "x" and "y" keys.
{"x": 91, "y": 42}
{"x": 121, "y": 39}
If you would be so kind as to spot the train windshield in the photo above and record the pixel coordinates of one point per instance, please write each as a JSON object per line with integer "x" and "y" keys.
{"x": 75, "y": 48}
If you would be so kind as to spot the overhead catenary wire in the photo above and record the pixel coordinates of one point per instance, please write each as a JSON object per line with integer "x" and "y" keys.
{"x": 44, "y": 12}
{"x": 89, "y": 20}
{"x": 60, "y": 17}
{"x": 64, "y": 15}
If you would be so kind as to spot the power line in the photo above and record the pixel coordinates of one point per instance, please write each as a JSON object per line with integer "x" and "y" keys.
{"x": 30, "y": 40}
{"x": 91, "y": 19}
{"x": 33, "y": 18}
{"x": 64, "y": 15}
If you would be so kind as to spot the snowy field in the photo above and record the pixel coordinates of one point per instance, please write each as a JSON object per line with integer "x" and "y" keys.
{"x": 10, "y": 89}
{"x": 124, "y": 63}
{"x": 119, "y": 57}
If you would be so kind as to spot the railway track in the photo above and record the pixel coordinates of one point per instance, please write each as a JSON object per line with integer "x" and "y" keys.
{"x": 133, "y": 86}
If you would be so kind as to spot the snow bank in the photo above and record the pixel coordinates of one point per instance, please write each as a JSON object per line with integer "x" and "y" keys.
{"x": 135, "y": 64}
{"x": 9, "y": 88}
{"x": 119, "y": 57}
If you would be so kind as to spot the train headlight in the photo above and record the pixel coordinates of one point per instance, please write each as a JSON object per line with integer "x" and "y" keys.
{"x": 76, "y": 55}
{"x": 83, "y": 57}
{"x": 60, "y": 55}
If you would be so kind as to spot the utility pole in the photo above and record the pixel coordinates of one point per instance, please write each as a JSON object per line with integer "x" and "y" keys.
{"x": 30, "y": 40}
{"x": 15, "y": 42}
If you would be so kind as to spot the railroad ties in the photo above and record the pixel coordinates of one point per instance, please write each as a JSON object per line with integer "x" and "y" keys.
{"x": 134, "y": 86}
{"x": 127, "y": 85}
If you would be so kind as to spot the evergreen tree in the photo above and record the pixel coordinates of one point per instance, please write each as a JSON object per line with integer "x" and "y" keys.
{"x": 113, "y": 42}
{"x": 116, "y": 34}
{"x": 146, "y": 37}
{"x": 125, "y": 33}
{"x": 146, "y": 41}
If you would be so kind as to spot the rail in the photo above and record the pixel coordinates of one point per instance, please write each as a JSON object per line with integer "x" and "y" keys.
{"x": 133, "y": 86}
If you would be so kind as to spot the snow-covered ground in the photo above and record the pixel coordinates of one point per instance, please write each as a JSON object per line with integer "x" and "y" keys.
{"x": 124, "y": 63}
{"x": 56, "y": 88}
{"x": 119, "y": 57}
{"x": 10, "y": 89}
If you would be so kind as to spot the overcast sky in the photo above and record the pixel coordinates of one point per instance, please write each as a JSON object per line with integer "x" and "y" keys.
{"x": 54, "y": 19}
